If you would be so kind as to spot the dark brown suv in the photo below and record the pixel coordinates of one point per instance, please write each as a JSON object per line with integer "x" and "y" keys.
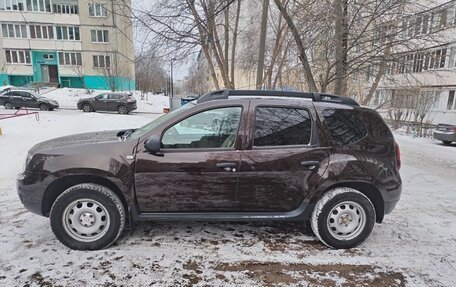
{"x": 230, "y": 155}
{"x": 123, "y": 103}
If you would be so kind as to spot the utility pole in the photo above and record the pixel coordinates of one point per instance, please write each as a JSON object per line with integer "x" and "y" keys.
{"x": 262, "y": 48}
{"x": 172, "y": 81}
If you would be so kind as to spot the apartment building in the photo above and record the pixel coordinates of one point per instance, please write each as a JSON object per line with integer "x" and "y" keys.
{"x": 69, "y": 43}
{"x": 424, "y": 77}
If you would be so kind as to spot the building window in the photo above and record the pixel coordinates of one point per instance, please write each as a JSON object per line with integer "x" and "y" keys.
{"x": 12, "y": 5}
{"x": 38, "y": 5}
{"x": 452, "y": 58}
{"x": 99, "y": 36}
{"x": 17, "y": 56}
{"x": 41, "y": 32}
{"x": 101, "y": 61}
{"x": 70, "y": 59}
{"x": 450, "y": 103}
{"x": 66, "y": 9}
{"x": 97, "y": 10}
{"x": 68, "y": 33}
{"x": 14, "y": 31}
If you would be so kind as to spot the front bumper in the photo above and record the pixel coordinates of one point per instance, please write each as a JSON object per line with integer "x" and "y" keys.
{"x": 445, "y": 136}
{"x": 31, "y": 188}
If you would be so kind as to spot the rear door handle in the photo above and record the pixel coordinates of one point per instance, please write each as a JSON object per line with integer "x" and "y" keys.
{"x": 310, "y": 163}
{"x": 227, "y": 166}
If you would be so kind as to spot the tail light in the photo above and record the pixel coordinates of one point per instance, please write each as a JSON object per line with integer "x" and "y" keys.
{"x": 131, "y": 99}
{"x": 397, "y": 152}
{"x": 454, "y": 128}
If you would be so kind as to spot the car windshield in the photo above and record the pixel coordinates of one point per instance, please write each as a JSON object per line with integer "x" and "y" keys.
{"x": 144, "y": 129}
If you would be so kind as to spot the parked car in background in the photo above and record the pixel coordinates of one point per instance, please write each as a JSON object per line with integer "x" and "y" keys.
{"x": 123, "y": 103}
{"x": 26, "y": 99}
{"x": 445, "y": 133}
{"x": 7, "y": 88}
{"x": 274, "y": 155}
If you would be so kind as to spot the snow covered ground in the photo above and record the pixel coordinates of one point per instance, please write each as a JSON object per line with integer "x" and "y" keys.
{"x": 415, "y": 246}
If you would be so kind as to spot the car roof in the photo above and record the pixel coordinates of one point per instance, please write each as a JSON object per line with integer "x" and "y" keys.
{"x": 316, "y": 97}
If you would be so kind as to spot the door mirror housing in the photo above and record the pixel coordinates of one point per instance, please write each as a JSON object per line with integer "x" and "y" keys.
{"x": 152, "y": 144}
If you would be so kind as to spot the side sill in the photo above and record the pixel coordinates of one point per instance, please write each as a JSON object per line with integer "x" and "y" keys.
{"x": 300, "y": 214}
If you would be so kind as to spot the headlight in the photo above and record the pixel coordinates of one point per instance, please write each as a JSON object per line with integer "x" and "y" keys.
{"x": 27, "y": 160}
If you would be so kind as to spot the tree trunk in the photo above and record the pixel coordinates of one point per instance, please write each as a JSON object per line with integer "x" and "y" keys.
{"x": 341, "y": 48}
{"x": 262, "y": 45}
{"x": 235, "y": 34}
{"x": 302, "y": 51}
{"x": 204, "y": 46}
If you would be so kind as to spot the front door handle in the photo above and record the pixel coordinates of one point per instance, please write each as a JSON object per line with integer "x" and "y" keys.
{"x": 310, "y": 164}
{"x": 227, "y": 166}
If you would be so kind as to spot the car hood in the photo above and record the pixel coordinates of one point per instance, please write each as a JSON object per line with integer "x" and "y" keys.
{"x": 85, "y": 99}
{"x": 76, "y": 140}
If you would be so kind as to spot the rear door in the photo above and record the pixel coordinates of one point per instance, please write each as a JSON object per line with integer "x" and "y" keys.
{"x": 282, "y": 160}
{"x": 113, "y": 101}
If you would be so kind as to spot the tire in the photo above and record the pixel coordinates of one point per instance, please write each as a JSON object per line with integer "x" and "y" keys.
{"x": 51, "y": 109}
{"x": 44, "y": 107}
{"x": 446, "y": 142}
{"x": 86, "y": 108}
{"x": 122, "y": 110}
{"x": 87, "y": 217}
{"x": 340, "y": 205}
{"x": 8, "y": 106}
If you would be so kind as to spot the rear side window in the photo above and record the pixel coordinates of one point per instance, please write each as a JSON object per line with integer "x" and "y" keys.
{"x": 278, "y": 126}
{"x": 345, "y": 126}
{"x": 115, "y": 97}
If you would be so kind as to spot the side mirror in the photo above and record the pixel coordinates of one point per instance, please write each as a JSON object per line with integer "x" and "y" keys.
{"x": 152, "y": 144}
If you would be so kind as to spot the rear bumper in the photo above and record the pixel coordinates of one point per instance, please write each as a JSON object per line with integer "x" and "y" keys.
{"x": 445, "y": 136}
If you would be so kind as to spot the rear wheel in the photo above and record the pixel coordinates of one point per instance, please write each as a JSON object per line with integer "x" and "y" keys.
{"x": 8, "y": 106}
{"x": 87, "y": 108}
{"x": 87, "y": 217}
{"x": 343, "y": 218}
{"x": 44, "y": 107}
{"x": 122, "y": 110}
{"x": 446, "y": 142}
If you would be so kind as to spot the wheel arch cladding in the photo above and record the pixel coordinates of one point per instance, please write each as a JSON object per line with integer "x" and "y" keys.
{"x": 368, "y": 190}
{"x": 58, "y": 186}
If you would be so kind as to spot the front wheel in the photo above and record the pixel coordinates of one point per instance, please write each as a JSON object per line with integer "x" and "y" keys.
{"x": 87, "y": 217}
{"x": 343, "y": 218}
{"x": 44, "y": 107}
{"x": 86, "y": 108}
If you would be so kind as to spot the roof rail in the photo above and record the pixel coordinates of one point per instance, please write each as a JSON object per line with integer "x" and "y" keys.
{"x": 316, "y": 97}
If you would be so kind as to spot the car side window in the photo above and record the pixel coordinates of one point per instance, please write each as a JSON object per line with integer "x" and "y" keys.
{"x": 25, "y": 95}
{"x": 115, "y": 97}
{"x": 282, "y": 126}
{"x": 216, "y": 128}
{"x": 101, "y": 97}
{"x": 345, "y": 126}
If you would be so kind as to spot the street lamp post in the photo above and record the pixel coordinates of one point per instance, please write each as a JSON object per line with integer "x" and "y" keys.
{"x": 172, "y": 81}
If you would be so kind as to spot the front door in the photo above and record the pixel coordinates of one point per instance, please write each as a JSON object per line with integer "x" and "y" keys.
{"x": 45, "y": 74}
{"x": 100, "y": 102}
{"x": 53, "y": 74}
{"x": 197, "y": 168}
{"x": 279, "y": 166}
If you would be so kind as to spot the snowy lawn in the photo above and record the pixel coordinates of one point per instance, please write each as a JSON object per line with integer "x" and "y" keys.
{"x": 415, "y": 246}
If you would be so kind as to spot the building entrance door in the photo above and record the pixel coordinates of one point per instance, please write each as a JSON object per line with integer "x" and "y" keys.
{"x": 53, "y": 74}
{"x": 45, "y": 73}
{"x": 49, "y": 74}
